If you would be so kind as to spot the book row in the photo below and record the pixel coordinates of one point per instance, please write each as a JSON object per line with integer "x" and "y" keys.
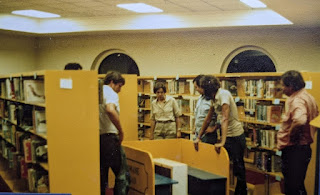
{"x": 28, "y": 90}
{"x": 25, "y": 116}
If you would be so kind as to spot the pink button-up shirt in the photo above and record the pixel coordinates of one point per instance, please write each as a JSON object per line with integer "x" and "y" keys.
{"x": 301, "y": 108}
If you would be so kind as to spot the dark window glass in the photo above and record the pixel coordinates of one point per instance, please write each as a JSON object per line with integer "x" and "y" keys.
{"x": 251, "y": 61}
{"x": 119, "y": 62}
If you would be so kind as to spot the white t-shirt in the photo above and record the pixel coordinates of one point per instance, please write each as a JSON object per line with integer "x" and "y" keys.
{"x": 234, "y": 125}
{"x": 109, "y": 97}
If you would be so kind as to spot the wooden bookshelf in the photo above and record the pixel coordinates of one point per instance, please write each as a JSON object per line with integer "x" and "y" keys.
{"x": 72, "y": 131}
{"x": 312, "y": 78}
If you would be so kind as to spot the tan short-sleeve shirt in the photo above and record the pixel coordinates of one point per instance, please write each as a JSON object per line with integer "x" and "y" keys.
{"x": 165, "y": 112}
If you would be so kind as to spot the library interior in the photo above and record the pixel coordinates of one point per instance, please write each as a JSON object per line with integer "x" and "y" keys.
{"x": 49, "y": 116}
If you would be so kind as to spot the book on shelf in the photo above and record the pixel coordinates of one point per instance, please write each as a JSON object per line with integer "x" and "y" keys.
{"x": 32, "y": 179}
{"x": 16, "y": 165}
{"x": 43, "y": 184}
{"x": 20, "y": 136}
{"x": 2, "y": 108}
{"x": 5, "y": 130}
{"x": 34, "y": 91}
{"x": 147, "y": 103}
{"x": 12, "y": 114}
{"x": 230, "y": 85}
{"x": 24, "y": 116}
{"x": 17, "y": 88}
{"x": 273, "y": 89}
{"x": 146, "y": 117}
{"x": 23, "y": 167}
{"x": 260, "y": 88}
{"x": 9, "y": 89}
{"x": 40, "y": 123}
{"x": 141, "y": 101}
{"x": 183, "y": 86}
{"x": 141, "y": 116}
{"x": 27, "y": 150}
{"x": 274, "y": 113}
{"x": 241, "y": 87}
{"x": 36, "y": 179}
{"x": 172, "y": 86}
{"x": 3, "y": 89}
{"x": 147, "y": 86}
{"x": 39, "y": 151}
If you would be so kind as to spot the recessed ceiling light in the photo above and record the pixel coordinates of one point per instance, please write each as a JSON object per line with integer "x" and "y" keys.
{"x": 140, "y": 8}
{"x": 35, "y": 13}
{"x": 254, "y": 3}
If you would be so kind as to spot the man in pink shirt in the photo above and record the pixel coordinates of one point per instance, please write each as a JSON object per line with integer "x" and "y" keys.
{"x": 296, "y": 135}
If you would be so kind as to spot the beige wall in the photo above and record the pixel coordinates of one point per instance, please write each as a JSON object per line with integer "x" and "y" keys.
{"x": 17, "y": 53}
{"x": 165, "y": 53}
{"x": 184, "y": 52}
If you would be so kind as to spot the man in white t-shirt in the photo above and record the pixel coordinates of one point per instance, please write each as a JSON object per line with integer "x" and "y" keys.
{"x": 111, "y": 136}
{"x": 232, "y": 133}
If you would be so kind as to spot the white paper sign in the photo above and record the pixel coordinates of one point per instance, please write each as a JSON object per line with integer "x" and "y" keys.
{"x": 66, "y": 83}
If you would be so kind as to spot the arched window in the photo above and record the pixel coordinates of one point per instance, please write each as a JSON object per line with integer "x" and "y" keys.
{"x": 248, "y": 59}
{"x": 115, "y": 60}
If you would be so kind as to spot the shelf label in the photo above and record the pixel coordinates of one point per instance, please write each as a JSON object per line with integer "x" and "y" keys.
{"x": 277, "y": 127}
{"x": 66, "y": 83}
{"x": 249, "y": 147}
{"x": 177, "y": 77}
{"x": 308, "y": 85}
{"x": 155, "y": 78}
{"x": 278, "y": 152}
{"x": 278, "y": 178}
{"x": 276, "y": 101}
{"x": 139, "y": 94}
{"x": 251, "y": 112}
{"x": 141, "y": 125}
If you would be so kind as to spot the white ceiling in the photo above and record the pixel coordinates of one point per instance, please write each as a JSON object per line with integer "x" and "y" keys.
{"x": 104, "y": 15}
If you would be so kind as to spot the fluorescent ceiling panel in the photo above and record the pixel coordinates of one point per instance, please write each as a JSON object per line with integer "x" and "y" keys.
{"x": 140, "y": 8}
{"x": 254, "y": 3}
{"x": 35, "y": 13}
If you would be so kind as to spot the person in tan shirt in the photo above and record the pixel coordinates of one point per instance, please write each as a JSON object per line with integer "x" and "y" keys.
{"x": 296, "y": 134}
{"x": 165, "y": 113}
{"x": 232, "y": 132}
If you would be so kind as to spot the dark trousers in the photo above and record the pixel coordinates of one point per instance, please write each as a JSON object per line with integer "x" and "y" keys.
{"x": 295, "y": 160}
{"x": 235, "y": 147}
{"x": 112, "y": 155}
{"x": 210, "y": 138}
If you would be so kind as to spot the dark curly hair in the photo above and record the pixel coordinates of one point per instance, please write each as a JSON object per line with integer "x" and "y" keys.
{"x": 210, "y": 85}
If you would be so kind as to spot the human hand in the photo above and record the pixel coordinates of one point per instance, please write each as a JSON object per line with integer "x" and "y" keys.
{"x": 218, "y": 147}
{"x": 196, "y": 144}
{"x": 178, "y": 134}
